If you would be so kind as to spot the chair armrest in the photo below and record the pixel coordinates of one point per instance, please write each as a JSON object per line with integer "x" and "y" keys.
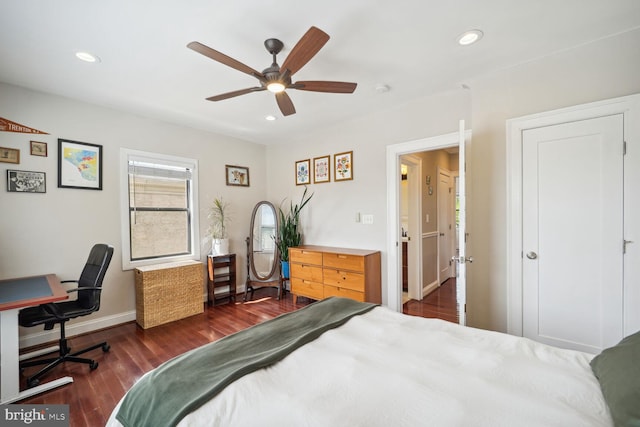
{"x": 68, "y": 281}
{"x": 84, "y": 288}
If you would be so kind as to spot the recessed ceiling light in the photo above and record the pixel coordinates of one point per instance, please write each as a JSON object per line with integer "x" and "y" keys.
{"x": 382, "y": 88}
{"x": 87, "y": 57}
{"x": 270, "y": 118}
{"x": 469, "y": 37}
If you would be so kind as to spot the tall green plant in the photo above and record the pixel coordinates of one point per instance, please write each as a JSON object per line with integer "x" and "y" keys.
{"x": 288, "y": 230}
{"x": 219, "y": 217}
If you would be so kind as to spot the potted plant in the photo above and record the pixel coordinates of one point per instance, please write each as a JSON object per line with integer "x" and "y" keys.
{"x": 219, "y": 218}
{"x": 288, "y": 231}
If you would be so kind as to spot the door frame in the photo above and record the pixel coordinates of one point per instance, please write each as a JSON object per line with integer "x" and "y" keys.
{"x": 628, "y": 105}
{"x": 393, "y": 153}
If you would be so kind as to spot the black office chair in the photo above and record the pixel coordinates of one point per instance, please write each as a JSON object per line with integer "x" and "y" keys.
{"x": 87, "y": 302}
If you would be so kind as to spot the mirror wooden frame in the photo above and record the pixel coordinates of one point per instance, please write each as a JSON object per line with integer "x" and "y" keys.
{"x": 256, "y": 280}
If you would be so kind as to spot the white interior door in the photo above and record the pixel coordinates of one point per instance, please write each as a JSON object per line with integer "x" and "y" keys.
{"x": 446, "y": 227}
{"x": 572, "y": 233}
{"x": 414, "y": 227}
{"x": 462, "y": 258}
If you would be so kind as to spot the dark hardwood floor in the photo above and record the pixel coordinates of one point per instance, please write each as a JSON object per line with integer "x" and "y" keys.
{"x": 134, "y": 351}
{"x": 440, "y": 304}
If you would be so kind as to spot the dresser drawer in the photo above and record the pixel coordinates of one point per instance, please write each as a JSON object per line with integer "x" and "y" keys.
{"x": 307, "y": 288}
{"x": 344, "y": 279}
{"x": 343, "y": 261}
{"x": 306, "y": 272}
{"x": 333, "y": 291}
{"x": 304, "y": 256}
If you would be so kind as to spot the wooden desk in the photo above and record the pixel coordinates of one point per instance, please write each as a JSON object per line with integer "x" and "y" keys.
{"x": 14, "y": 295}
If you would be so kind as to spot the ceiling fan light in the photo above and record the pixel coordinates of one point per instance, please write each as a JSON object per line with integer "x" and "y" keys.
{"x": 275, "y": 87}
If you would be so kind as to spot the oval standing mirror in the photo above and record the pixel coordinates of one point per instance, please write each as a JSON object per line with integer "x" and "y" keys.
{"x": 262, "y": 253}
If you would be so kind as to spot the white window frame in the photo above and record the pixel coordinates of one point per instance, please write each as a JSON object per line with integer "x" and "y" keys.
{"x": 128, "y": 154}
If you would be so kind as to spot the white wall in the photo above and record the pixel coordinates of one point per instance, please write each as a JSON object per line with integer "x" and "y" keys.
{"x": 329, "y": 219}
{"x": 604, "y": 69}
{"x": 53, "y": 232}
{"x": 601, "y": 70}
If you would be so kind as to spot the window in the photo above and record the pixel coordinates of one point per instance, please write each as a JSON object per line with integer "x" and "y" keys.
{"x": 158, "y": 198}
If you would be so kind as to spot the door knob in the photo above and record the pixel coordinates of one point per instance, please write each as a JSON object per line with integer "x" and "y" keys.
{"x": 532, "y": 255}
{"x": 462, "y": 260}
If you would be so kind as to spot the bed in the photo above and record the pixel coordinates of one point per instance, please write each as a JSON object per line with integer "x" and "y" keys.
{"x": 372, "y": 367}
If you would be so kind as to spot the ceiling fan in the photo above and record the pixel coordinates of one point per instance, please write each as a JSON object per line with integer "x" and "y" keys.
{"x": 277, "y": 78}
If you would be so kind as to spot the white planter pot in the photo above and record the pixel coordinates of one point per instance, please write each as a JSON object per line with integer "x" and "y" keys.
{"x": 219, "y": 246}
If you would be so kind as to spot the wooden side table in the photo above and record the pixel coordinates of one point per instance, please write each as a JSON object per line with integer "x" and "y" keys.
{"x": 222, "y": 275}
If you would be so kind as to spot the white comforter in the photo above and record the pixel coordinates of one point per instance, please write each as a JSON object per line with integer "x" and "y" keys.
{"x": 388, "y": 369}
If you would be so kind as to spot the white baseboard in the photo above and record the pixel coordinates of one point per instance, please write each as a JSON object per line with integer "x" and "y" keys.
{"x": 42, "y": 337}
{"x": 426, "y": 290}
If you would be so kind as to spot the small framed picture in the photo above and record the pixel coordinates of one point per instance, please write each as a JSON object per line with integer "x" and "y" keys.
{"x": 303, "y": 176}
{"x": 79, "y": 165}
{"x": 237, "y": 175}
{"x": 38, "y": 148}
{"x": 321, "y": 169}
{"x": 9, "y": 155}
{"x": 26, "y": 182}
{"x": 343, "y": 166}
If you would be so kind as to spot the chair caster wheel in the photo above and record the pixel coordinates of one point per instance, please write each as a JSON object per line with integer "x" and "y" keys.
{"x": 93, "y": 365}
{"x": 33, "y": 383}
{"x": 106, "y": 348}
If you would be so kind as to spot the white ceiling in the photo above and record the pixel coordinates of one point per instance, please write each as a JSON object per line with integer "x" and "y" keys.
{"x": 409, "y": 45}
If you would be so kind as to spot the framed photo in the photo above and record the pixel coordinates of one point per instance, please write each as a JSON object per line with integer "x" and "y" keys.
{"x": 79, "y": 165}
{"x": 321, "y": 169}
{"x": 9, "y": 155}
{"x": 343, "y": 166}
{"x": 303, "y": 175}
{"x": 26, "y": 182}
{"x": 38, "y": 148}
{"x": 237, "y": 175}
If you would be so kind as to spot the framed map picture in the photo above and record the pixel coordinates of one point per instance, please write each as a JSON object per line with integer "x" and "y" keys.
{"x": 343, "y": 166}
{"x": 79, "y": 165}
{"x": 321, "y": 169}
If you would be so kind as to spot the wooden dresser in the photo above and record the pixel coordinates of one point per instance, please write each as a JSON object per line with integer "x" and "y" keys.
{"x": 319, "y": 272}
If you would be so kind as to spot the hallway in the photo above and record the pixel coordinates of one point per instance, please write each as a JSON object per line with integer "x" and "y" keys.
{"x": 440, "y": 304}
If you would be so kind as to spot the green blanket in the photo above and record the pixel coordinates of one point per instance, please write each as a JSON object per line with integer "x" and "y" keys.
{"x": 183, "y": 384}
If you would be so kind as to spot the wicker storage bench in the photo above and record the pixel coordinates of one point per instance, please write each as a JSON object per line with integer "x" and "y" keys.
{"x": 168, "y": 292}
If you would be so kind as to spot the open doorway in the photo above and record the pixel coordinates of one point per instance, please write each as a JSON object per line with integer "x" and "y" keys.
{"x": 427, "y": 220}
{"x": 427, "y": 251}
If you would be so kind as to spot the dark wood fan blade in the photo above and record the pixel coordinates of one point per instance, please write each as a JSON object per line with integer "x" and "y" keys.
{"x": 235, "y": 93}
{"x": 325, "y": 86}
{"x": 224, "y": 59}
{"x": 305, "y": 49}
{"x": 285, "y": 103}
